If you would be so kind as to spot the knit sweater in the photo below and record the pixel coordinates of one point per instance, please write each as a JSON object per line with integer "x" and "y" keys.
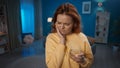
{"x": 58, "y": 55}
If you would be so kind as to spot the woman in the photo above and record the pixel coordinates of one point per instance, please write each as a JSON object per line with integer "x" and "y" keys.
{"x": 67, "y": 46}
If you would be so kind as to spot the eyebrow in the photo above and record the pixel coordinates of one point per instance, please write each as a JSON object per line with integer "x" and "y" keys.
{"x": 63, "y": 22}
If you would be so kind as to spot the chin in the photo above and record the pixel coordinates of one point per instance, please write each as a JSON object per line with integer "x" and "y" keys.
{"x": 65, "y": 33}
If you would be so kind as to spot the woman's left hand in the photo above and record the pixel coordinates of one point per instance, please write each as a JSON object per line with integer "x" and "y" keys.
{"x": 79, "y": 58}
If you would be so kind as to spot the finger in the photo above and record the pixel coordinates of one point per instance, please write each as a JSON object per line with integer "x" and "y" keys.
{"x": 81, "y": 54}
{"x": 58, "y": 31}
{"x": 80, "y": 58}
{"x": 72, "y": 57}
{"x": 75, "y": 58}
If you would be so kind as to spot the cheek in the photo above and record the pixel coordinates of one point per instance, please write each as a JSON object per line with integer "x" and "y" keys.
{"x": 58, "y": 26}
{"x": 69, "y": 28}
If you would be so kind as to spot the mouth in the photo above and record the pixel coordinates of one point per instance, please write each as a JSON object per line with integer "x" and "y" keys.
{"x": 63, "y": 32}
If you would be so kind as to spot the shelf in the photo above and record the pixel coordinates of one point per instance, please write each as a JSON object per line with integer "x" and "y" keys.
{"x": 4, "y": 38}
{"x": 1, "y": 33}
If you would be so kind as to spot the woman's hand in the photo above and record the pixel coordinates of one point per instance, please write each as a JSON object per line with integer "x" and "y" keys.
{"x": 62, "y": 37}
{"x": 79, "y": 58}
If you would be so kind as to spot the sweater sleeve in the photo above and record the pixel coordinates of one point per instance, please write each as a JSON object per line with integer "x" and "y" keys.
{"x": 88, "y": 54}
{"x": 54, "y": 53}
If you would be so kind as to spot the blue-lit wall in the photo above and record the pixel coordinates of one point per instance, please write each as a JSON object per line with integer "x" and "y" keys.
{"x": 48, "y": 8}
{"x": 88, "y": 20}
{"x": 113, "y": 7}
{"x": 27, "y": 16}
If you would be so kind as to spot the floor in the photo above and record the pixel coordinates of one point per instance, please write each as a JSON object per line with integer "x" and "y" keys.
{"x": 35, "y": 52}
{"x": 105, "y": 57}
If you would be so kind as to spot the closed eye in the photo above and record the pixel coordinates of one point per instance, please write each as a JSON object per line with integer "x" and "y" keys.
{"x": 67, "y": 24}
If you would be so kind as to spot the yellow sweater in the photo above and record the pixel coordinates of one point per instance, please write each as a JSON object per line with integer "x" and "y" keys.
{"x": 58, "y": 55}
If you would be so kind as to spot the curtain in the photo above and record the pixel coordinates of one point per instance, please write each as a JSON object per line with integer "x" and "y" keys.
{"x": 38, "y": 19}
{"x": 14, "y": 22}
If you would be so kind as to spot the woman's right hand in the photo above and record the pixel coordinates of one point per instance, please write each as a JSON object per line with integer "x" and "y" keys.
{"x": 61, "y": 36}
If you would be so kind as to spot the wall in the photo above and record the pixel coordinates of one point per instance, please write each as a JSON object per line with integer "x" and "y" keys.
{"x": 113, "y": 7}
{"x": 48, "y": 9}
{"x": 88, "y": 20}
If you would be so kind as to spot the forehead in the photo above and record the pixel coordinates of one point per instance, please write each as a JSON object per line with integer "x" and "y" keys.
{"x": 64, "y": 18}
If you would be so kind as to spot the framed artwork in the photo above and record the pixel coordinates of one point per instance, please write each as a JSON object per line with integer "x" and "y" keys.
{"x": 86, "y": 7}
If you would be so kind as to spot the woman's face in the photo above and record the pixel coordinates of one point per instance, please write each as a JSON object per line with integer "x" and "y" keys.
{"x": 64, "y": 23}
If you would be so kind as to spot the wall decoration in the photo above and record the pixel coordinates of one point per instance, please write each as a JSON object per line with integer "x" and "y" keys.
{"x": 102, "y": 26}
{"x": 86, "y": 7}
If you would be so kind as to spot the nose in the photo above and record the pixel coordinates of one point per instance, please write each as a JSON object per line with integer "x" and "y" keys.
{"x": 62, "y": 26}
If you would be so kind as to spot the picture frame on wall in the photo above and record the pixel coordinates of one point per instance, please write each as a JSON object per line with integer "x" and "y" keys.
{"x": 86, "y": 7}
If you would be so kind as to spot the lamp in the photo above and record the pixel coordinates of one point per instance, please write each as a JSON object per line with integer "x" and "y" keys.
{"x": 49, "y": 19}
{"x": 100, "y": 4}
